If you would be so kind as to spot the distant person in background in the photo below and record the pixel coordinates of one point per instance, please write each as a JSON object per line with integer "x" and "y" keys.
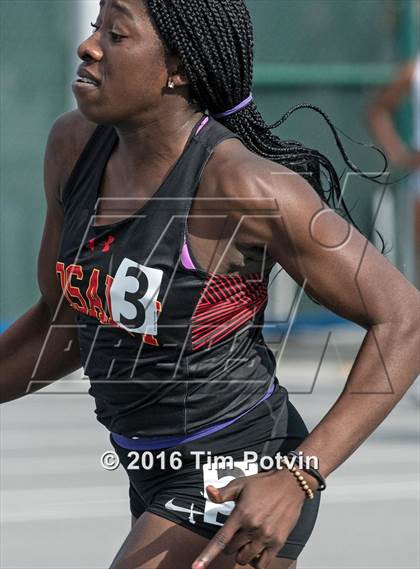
{"x": 381, "y": 120}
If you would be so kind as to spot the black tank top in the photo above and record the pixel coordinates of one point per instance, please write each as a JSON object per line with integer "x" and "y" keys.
{"x": 168, "y": 349}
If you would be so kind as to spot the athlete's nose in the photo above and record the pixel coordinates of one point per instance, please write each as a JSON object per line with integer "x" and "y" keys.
{"x": 89, "y": 49}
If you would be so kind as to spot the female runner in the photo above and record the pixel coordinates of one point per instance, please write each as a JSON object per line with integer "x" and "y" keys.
{"x": 169, "y": 201}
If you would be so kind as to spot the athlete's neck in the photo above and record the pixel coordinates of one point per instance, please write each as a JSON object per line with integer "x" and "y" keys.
{"x": 146, "y": 151}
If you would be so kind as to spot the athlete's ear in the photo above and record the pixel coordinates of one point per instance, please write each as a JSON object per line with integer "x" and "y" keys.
{"x": 175, "y": 69}
{"x": 179, "y": 76}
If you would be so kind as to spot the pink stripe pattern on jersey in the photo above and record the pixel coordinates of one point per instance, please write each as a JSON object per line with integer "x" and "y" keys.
{"x": 227, "y": 303}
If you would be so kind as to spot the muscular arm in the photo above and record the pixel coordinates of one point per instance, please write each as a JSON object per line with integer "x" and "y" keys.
{"x": 381, "y": 120}
{"x": 341, "y": 269}
{"x": 41, "y": 346}
{"x": 278, "y": 210}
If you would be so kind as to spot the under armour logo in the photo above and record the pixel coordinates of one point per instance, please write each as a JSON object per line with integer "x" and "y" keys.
{"x": 106, "y": 245}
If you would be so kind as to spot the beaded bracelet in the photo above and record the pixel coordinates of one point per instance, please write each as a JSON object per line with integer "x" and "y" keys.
{"x": 311, "y": 471}
{"x": 299, "y": 478}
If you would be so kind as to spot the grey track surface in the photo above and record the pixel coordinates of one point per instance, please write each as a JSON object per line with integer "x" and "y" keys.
{"x": 61, "y": 509}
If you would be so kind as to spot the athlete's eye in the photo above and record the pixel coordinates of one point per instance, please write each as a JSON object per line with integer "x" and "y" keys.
{"x": 116, "y": 38}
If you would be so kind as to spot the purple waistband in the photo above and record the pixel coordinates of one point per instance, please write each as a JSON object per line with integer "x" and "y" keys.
{"x": 155, "y": 443}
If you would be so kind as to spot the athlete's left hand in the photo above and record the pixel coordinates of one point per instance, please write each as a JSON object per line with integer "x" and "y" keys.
{"x": 267, "y": 508}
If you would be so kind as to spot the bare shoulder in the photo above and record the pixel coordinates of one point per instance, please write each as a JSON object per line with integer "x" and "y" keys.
{"x": 68, "y": 136}
{"x": 267, "y": 202}
{"x": 236, "y": 172}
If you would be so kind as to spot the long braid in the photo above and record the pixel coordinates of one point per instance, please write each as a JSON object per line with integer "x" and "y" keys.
{"x": 215, "y": 43}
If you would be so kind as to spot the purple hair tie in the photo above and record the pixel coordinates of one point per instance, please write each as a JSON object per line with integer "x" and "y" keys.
{"x": 236, "y": 109}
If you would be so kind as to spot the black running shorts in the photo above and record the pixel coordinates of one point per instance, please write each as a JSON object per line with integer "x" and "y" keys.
{"x": 171, "y": 482}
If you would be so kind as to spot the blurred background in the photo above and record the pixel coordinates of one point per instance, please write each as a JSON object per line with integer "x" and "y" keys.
{"x": 59, "y": 508}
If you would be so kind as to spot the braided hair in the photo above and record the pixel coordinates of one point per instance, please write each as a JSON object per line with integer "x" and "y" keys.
{"x": 214, "y": 42}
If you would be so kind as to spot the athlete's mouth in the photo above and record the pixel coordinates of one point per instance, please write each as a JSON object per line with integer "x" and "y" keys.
{"x": 88, "y": 81}
{"x": 83, "y": 76}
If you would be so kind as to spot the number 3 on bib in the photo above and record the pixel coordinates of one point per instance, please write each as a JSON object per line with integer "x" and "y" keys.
{"x": 134, "y": 293}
